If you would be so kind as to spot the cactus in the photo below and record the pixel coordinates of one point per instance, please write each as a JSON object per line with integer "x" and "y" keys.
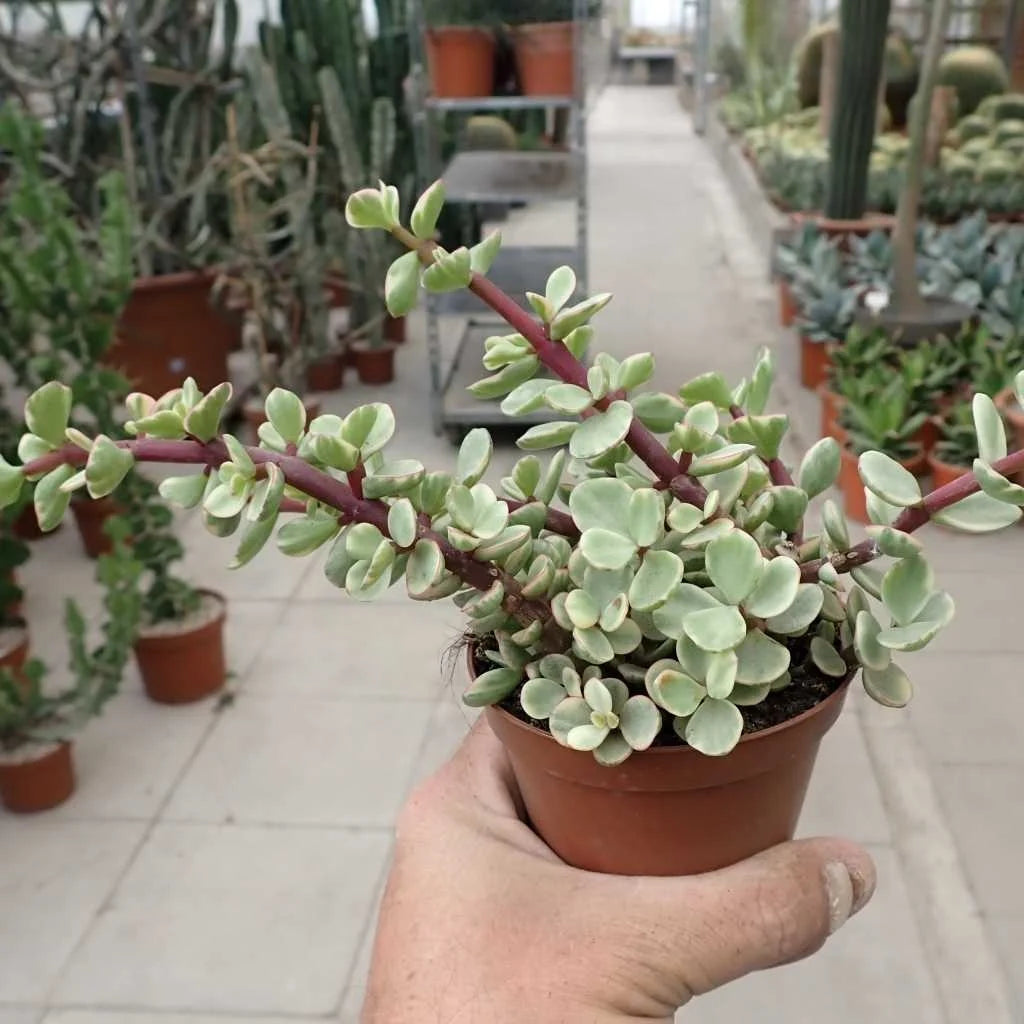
{"x": 976, "y": 72}
{"x": 862, "y": 40}
{"x": 972, "y": 127}
{"x": 1002, "y": 107}
{"x": 488, "y": 132}
{"x": 1006, "y": 130}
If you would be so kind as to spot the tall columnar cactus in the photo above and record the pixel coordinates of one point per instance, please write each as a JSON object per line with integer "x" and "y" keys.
{"x": 862, "y": 34}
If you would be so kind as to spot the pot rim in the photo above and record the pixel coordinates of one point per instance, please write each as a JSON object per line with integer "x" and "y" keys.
{"x": 54, "y": 749}
{"x": 179, "y": 279}
{"x": 772, "y": 730}
{"x": 363, "y": 347}
{"x": 475, "y": 30}
{"x": 173, "y": 636}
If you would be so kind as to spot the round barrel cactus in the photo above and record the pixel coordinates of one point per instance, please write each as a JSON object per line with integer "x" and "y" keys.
{"x": 975, "y": 72}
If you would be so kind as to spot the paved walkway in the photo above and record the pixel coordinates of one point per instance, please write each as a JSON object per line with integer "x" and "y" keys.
{"x": 222, "y": 867}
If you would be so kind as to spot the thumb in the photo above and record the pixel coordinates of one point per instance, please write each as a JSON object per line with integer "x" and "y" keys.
{"x": 769, "y": 910}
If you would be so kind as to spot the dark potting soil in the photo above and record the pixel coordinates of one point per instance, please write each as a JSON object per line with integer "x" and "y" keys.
{"x": 807, "y": 689}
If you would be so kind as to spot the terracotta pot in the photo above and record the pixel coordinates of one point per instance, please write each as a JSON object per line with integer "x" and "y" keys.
{"x": 182, "y": 667}
{"x": 32, "y": 786}
{"x": 326, "y": 374}
{"x": 170, "y": 330}
{"x": 831, "y": 406}
{"x": 461, "y": 61}
{"x": 394, "y": 329}
{"x": 788, "y": 308}
{"x": 338, "y": 295}
{"x": 374, "y": 365}
{"x": 815, "y": 362}
{"x": 854, "y": 498}
{"x": 255, "y": 415}
{"x": 26, "y": 526}
{"x": 90, "y": 516}
{"x": 545, "y": 57}
{"x": 670, "y": 810}
{"x": 944, "y": 472}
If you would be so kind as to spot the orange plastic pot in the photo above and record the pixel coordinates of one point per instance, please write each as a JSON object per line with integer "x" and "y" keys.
{"x": 170, "y": 330}
{"x": 831, "y": 407}
{"x": 186, "y": 666}
{"x": 545, "y": 57}
{"x": 374, "y": 365}
{"x": 852, "y": 487}
{"x": 815, "y": 362}
{"x": 461, "y": 61}
{"x": 91, "y": 515}
{"x": 788, "y": 308}
{"x": 32, "y": 786}
{"x": 669, "y": 810}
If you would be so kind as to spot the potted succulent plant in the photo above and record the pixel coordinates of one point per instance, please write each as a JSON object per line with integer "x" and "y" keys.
{"x": 666, "y": 649}
{"x": 861, "y": 354}
{"x": 460, "y": 48}
{"x": 36, "y": 724}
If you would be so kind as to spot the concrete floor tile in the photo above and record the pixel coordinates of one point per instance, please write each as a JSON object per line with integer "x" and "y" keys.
{"x": 843, "y": 798}
{"x": 872, "y": 970}
{"x": 986, "y": 602}
{"x": 963, "y": 704}
{"x": 231, "y": 920}
{"x": 984, "y": 806}
{"x": 1008, "y": 933}
{"x": 128, "y": 759}
{"x": 20, "y": 1016}
{"x": 55, "y": 878}
{"x": 343, "y": 649}
{"x": 309, "y": 762}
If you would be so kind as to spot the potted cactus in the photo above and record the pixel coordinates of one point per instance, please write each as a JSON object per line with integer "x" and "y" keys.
{"x": 460, "y": 48}
{"x": 666, "y": 648}
{"x": 36, "y": 723}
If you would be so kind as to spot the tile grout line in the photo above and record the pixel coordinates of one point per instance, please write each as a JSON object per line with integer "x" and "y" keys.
{"x": 967, "y": 973}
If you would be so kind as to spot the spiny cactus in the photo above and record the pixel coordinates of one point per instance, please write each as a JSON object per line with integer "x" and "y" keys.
{"x": 485, "y": 131}
{"x": 976, "y": 72}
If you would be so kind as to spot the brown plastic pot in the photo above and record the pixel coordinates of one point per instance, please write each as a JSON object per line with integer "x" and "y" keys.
{"x": 374, "y": 365}
{"x": 461, "y": 61}
{"x": 788, "y": 308}
{"x": 326, "y": 374}
{"x": 90, "y": 516}
{"x": 31, "y": 786}
{"x": 545, "y": 57}
{"x": 944, "y": 472}
{"x": 670, "y": 810}
{"x": 170, "y": 330}
{"x": 852, "y": 487}
{"x": 815, "y": 362}
{"x": 831, "y": 407}
{"x": 180, "y": 668}
{"x": 394, "y": 329}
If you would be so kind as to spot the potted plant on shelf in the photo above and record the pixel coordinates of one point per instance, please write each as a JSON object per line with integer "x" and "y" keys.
{"x": 674, "y": 632}
{"x": 544, "y": 37}
{"x": 460, "y": 48}
{"x": 36, "y": 724}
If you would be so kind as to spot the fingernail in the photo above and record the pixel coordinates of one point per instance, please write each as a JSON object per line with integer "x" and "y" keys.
{"x": 839, "y": 888}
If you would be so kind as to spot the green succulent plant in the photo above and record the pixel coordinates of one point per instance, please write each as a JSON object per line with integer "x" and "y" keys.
{"x": 958, "y": 442}
{"x": 879, "y": 415}
{"x": 674, "y": 587}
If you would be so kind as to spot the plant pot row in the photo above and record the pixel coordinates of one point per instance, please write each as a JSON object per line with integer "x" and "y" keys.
{"x": 462, "y": 59}
{"x": 373, "y": 365}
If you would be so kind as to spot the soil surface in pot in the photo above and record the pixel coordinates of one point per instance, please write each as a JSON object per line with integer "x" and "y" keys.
{"x": 804, "y": 692}
{"x": 209, "y": 610}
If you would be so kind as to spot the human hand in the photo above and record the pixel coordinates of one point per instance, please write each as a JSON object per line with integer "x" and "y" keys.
{"x": 481, "y": 922}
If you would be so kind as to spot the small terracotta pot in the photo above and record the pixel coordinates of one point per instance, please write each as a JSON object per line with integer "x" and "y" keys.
{"x": 255, "y": 415}
{"x": 669, "y": 810}
{"x": 90, "y": 516}
{"x": 815, "y": 362}
{"x": 180, "y": 668}
{"x": 788, "y": 308}
{"x": 326, "y": 374}
{"x": 850, "y": 483}
{"x": 26, "y": 526}
{"x": 374, "y": 365}
{"x": 944, "y": 472}
{"x": 461, "y": 61}
{"x": 545, "y": 57}
{"x": 831, "y": 407}
{"x": 38, "y": 785}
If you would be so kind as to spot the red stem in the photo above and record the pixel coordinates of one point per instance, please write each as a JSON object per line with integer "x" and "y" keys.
{"x": 323, "y": 488}
{"x": 915, "y": 516}
{"x": 554, "y": 521}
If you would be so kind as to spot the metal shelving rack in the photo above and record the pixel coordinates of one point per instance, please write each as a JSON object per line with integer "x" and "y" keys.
{"x": 500, "y": 177}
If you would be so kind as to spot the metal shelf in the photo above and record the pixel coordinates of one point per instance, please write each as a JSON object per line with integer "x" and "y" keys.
{"x": 470, "y": 103}
{"x": 510, "y": 177}
{"x": 460, "y": 409}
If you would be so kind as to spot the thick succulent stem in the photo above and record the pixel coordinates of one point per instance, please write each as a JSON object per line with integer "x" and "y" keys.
{"x": 863, "y": 27}
{"x": 914, "y": 517}
{"x": 331, "y": 492}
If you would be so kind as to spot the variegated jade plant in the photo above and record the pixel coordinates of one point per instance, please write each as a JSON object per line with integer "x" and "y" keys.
{"x": 677, "y": 585}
